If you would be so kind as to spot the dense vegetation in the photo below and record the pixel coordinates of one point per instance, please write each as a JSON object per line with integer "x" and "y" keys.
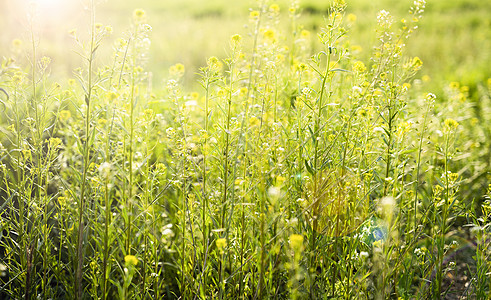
{"x": 300, "y": 165}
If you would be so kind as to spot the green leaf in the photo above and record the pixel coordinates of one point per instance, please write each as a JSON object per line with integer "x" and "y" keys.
{"x": 309, "y": 167}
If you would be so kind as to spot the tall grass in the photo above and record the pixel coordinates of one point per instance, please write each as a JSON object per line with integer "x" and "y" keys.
{"x": 290, "y": 174}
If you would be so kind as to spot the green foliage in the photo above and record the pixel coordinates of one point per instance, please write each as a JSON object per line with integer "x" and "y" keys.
{"x": 303, "y": 167}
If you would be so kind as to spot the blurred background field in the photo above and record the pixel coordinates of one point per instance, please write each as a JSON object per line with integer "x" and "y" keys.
{"x": 454, "y": 38}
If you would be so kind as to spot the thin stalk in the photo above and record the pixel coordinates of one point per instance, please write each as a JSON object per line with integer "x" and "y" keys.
{"x": 315, "y": 206}
{"x": 204, "y": 207}
{"x": 418, "y": 167}
{"x": 443, "y": 223}
{"x": 86, "y": 149}
{"x": 244, "y": 154}
{"x": 226, "y": 165}
{"x": 130, "y": 150}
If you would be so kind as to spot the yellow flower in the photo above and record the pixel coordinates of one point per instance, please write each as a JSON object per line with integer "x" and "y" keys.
{"x": 274, "y": 8}
{"x": 269, "y": 34}
{"x": 111, "y": 96}
{"x": 177, "y": 69}
{"x": 243, "y": 91}
{"x": 356, "y": 48}
{"x": 131, "y": 260}
{"x": 351, "y": 18}
{"x": 253, "y": 121}
{"x": 62, "y": 201}
{"x": 296, "y": 242}
{"x": 359, "y": 67}
{"x": 139, "y": 15}
{"x": 93, "y": 264}
{"x": 65, "y": 115}
{"x": 235, "y": 40}
{"x": 108, "y": 29}
{"x": 212, "y": 61}
{"x": 417, "y": 63}
{"x": 280, "y": 179}
{"x": 305, "y": 34}
{"x": 221, "y": 244}
{"x": 254, "y": 15}
{"x": 17, "y": 43}
{"x": 102, "y": 122}
{"x": 450, "y": 124}
{"x": 17, "y": 79}
{"x": 55, "y": 143}
{"x": 454, "y": 85}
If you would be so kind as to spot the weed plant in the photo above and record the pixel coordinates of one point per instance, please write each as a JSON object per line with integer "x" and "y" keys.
{"x": 290, "y": 174}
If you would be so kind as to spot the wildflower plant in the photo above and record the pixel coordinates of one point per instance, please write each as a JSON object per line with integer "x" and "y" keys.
{"x": 300, "y": 169}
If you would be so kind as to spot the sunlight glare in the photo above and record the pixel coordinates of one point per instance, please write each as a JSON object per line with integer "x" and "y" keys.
{"x": 54, "y": 12}
{"x": 52, "y": 8}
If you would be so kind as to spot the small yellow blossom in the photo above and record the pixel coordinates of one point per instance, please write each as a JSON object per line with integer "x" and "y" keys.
{"x": 177, "y": 69}
{"x": 221, "y": 244}
{"x": 356, "y": 48}
{"x": 102, "y": 122}
{"x": 108, "y": 29}
{"x": 194, "y": 95}
{"x": 453, "y": 177}
{"x": 406, "y": 86}
{"x": 235, "y": 40}
{"x": 62, "y": 201}
{"x": 280, "y": 58}
{"x": 55, "y": 143}
{"x": 274, "y": 8}
{"x": 305, "y": 34}
{"x": 296, "y": 242}
{"x": 253, "y": 121}
{"x": 111, "y": 96}
{"x": 131, "y": 260}
{"x": 17, "y": 79}
{"x": 269, "y": 34}
{"x": 417, "y": 63}
{"x": 212, "y": 61}
{"x": 72, "y": 32}
{"x": 351, "y": 18}
{"x": 139, "y": 15}
{"x": 148, "y": 113}
{"x": 243, "y": 91}
{"x": 280, "y": 179}
{"x": 254, "y": 15}
{"x": 359, "y": 67}
{"x": 17, "y": 43}
{"x": 64, "y": 115}
{"x": 450, "y": 124}
{"x": 454, "y": 85}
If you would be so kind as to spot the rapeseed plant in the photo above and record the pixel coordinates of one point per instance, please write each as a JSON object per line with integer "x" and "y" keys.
{"x": 293, "y": 173}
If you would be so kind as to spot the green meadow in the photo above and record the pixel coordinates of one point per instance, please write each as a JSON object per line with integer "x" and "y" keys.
{"x": 245, "y": 149}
